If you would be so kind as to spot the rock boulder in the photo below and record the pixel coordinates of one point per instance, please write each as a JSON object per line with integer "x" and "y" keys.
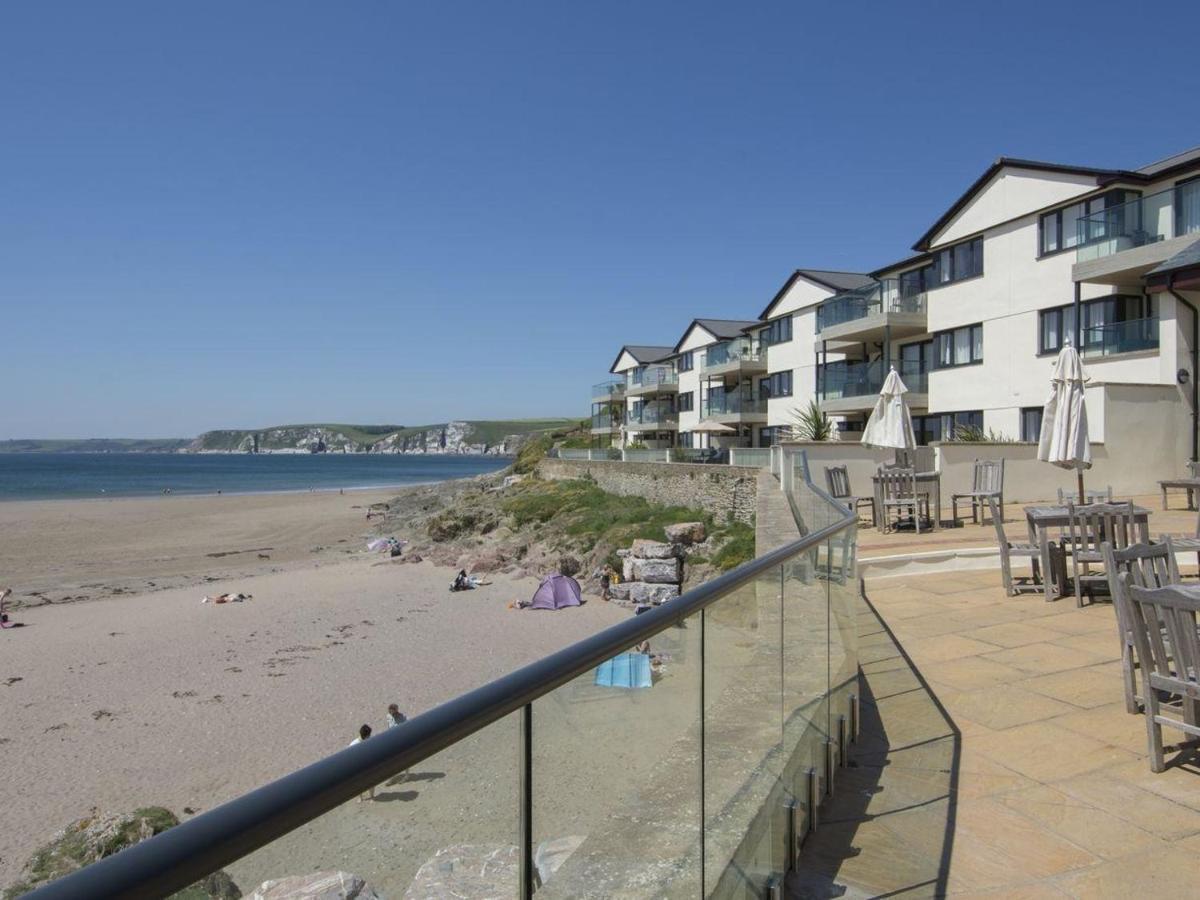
{"x": 686, "y": 533}
{"x": 644, "y": 549}
{"x": 467, "y": 870}
{"x": 318, "y": 886}
{"x": 642, "y": 593}
{"x": 656, "y": 571}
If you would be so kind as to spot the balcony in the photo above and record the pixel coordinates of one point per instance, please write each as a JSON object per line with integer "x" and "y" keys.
{"x": 1120, "y": 337}
{"x": 608, "y": 390}
{"x": 653, "y": 418}
{"x": 651, "y": 380}
{"x": 607, "y": 423}
{"x": 736, "y": 357}
{"x": 854, "y": 386}
{"x": 1120, "y": 244}
{"x": 870, "y": 312}
{"x": 734, "y": 408}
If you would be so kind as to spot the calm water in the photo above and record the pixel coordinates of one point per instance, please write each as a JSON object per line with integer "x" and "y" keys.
{"x": 43, "y": 476}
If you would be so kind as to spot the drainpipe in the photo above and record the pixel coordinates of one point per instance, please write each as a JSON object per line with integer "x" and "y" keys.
{"x": 1195, "y": 363}
{"x": 1078, "y": 317}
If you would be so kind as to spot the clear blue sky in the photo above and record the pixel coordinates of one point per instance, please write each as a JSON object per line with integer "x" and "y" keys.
{"x": 239, "y": 214}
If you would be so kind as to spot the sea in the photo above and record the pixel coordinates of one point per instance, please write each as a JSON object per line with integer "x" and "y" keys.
{"x": 59, "y": 476}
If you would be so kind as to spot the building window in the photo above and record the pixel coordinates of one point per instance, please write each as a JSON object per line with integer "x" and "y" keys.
{"x": 1187, "y": 206}
{"x": 913, "y": 282}
{"x": 944, "y": 426}
{"x": 686, "y": 362}
{"x": 777, "y": 385}
{"x": 1059, "y": 230}
{"x": 1031, "y": 423}
{"x": 771, "y": 435}
{"x": 779, "y": 331}
{"x": 956, "y": 263}
{"x": 685, "y": 439}
{"x": 687, "y": 401}
{"x": 959, "y": 347}
{"x": 1102, "y": 318}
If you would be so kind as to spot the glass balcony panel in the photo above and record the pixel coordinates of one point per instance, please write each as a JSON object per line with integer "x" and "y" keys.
{"x": 885, "y": 296}
{"x": 738, "y": 403}
{"x": 1146, "y": 220}
{"x": 429, "y": 832}
{"x": 608, "y": 389}
{"x": 1121, "y": 337}
{"x": 737, "y": 350}
{"x": 842, "y": 580}
{"x": 743, "y": 805}
{"x": 652, "y": 414}
{"x": 862, "y": 379}
{"x": 616, "y": 775}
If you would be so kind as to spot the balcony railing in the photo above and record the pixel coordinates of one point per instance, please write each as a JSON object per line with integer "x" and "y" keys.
{"x": 1147, "y": 220}
{"x": 738, "y": 350}
{"x": 1121, "y": 337}
{"x": 608, "y": 390}
{"x": 746, "y": 699}
{"x": 732, "y": 404}
{"x": 652, "y": 415}
{"x": 650, "y": 377}
{"x": 607, "y": 420}
{"x": 883, "y": 296}
{"x": 861, "y": 379}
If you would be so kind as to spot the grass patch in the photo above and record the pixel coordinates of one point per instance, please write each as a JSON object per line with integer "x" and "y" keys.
{"x": 738, "y": 546}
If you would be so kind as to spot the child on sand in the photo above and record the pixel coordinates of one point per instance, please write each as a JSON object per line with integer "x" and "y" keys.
{"x": 364, "y": 732}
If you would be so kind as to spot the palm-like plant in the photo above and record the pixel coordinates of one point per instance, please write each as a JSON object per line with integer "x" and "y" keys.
{"x": 812, "y": 424}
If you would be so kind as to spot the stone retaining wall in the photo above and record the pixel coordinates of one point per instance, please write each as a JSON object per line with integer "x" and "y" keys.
{"x": 722, "y": 490}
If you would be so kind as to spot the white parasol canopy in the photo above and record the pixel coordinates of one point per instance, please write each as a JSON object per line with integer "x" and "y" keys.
{"x": 713, "y": 427}
{"x": 890, "y": 424}
{"x": 1063, "y": 441}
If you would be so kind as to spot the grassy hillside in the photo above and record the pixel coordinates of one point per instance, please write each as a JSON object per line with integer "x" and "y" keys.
{"x": 482, "y": 431}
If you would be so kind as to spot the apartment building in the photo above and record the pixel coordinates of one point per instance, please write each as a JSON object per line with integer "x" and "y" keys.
{"x": 1031, "y": 254}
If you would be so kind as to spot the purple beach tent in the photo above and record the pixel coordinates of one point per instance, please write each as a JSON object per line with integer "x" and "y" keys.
{"x": 555, "y": 592}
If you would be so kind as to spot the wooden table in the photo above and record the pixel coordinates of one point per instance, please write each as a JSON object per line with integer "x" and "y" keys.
{"x": 1040, "y": 519}
{"x": 928, "y": 483}
{"x": 1191, "y": 485}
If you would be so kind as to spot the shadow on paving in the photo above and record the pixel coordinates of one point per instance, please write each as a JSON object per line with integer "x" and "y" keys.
{"x": 889, "y": 829}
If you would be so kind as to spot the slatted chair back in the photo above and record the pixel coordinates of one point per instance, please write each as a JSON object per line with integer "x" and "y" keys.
{"x": 837, "y": 479}
{"x": 1147, "y": 565}
{"x": 1164, "y": 632}
{"x": 998, "y": 524}
{"x": 898, "y": 484}
{"x": 988, "y": 477}
{"x": 1092, "y": 524}
{"x": 1100, "y": 495}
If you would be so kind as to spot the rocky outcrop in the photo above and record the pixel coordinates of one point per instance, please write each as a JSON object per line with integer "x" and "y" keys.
{"x": 318, "y": 886}
{"x": 652, "y": 571}
{"x": 686, "y": 533}
{"x": 101, "y": 835}
{"x": 460, "y": 437}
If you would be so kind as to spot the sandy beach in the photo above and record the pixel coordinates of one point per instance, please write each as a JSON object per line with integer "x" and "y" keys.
{"x": 142, "y": 695}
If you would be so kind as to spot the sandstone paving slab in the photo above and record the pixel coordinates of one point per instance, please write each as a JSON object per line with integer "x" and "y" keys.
{"x": 1003, "y": 706}
{"x": 1038, "y": 890}
{"x": 1087, "y": 687}
{"x": 1107, "y": 643}
{"x": 1010, "y": 634}
{"x": 1149, "y": 811}
{"x": 1095, "y": 617}
{"x": 1109, "y": 723}
{"x": 971, "y": 673}
{"x": 1044, "y": 751}
{"x": 1170, "y": 872}
{"x": 1042, "y": 659}
{"x": 1179, "y": 784}
{"x": 923, "y": 651}
{"x": 1083, "y": 823}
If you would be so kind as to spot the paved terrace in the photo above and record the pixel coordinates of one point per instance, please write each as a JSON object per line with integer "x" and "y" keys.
{"x": 996, "y": 757}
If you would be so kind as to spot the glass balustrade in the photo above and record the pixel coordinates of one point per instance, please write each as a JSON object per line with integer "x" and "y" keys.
{"x": 1121, "y": 337}
{"x": 1147, "y": 220}
{"x": 652, "y": 415}
{"x": 883, "y": 296}
{"x": 732, "y": 404}
{"x": 860, "y": 379}
{"x": 738, "y": 350}
{"x": 650, "y": 377}
{"x": 608, "y": 389}
{"x": 680, "y": 753}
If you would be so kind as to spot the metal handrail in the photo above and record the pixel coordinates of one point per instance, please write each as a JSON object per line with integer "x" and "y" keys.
{"x": 181, "y": 856}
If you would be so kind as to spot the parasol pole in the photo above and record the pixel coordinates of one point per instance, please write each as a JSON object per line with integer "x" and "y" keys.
{"x": 1079, "y": 478}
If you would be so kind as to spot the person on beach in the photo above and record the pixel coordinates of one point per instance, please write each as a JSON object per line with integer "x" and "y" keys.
{"x": 395, "y": 717}
{"x": 364, "y": 732}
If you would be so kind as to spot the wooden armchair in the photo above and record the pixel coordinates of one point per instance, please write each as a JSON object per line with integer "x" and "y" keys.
{"x": 1144, "y": 565}
{"x": 898, "y": 493}
{"x": 1163, "y": 623}
{"x": 987, "y": 482}
{"x": 837, "y": 480}
{"x": 1090, "y": 526}
{"x": 1009, "y": 549}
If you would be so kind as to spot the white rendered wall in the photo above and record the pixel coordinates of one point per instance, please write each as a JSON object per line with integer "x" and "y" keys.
{"x": 798, "y": 354}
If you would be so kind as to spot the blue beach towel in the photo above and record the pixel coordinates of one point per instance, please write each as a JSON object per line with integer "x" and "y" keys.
{"x": 627, "y": 670}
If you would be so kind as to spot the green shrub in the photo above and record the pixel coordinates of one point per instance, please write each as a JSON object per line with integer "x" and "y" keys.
{"x": 530, "y": 454}
{"x": 737, "y": 548}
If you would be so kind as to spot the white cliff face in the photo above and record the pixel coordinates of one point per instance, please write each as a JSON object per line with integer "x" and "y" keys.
{"x": 451, "y": 438}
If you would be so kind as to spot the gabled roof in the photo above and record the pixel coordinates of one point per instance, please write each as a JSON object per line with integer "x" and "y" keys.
{"x": 721, "y": 329}
{"x": 643, "y": 353}
{"x": 827, "y": 278}
{"x": 1010, "y": 162}
{"x": 1171, "y": 162}
{"x": 902, "y": 263}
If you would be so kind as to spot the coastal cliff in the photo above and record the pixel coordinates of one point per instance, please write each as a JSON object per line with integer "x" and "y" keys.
{"x": 500, "y": 438}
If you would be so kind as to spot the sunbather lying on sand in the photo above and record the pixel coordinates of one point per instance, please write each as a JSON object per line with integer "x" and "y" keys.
{"x": 227, "y": 598}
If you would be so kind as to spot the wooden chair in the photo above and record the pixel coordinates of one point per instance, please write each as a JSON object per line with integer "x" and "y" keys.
{"x": 837, "y": 480}
{"x": 1009, "y": 549}
{"x": 1147, "y": 566}
{"x": 1186, "y": 541}
{"x": 987, "y": 481}
{"x": 1090, "y": 526}
{"x": 1100, "y": 495}
{"x": 898, "y": 491}
{"x": 1163, "y": 622}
